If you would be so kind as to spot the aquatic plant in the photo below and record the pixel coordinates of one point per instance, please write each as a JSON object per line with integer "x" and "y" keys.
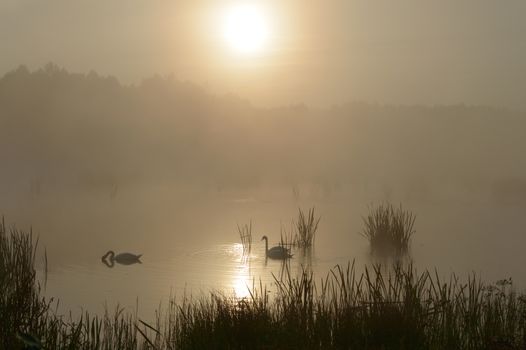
{"x": 306, "y": 228}
{"x": 245, "y": 234}
{"x": 394, "y": 308}
{"x": 389, "y": 230}
{"x": 287, "y": 238}
{"x": 20, "y": 301}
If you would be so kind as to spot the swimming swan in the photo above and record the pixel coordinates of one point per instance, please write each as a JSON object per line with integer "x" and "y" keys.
{"x": 122, "y": 258}
{"x": 277, "y": 252}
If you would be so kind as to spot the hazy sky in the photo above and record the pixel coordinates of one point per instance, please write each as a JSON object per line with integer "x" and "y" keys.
{"x": 319, "y": 52}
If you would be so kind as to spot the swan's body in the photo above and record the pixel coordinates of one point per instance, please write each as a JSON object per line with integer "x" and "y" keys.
{"x": 122, "y": 258}
{"x": 277, "y": 252}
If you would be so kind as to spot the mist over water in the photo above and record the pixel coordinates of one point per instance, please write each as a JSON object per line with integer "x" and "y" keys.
{"x": 168, "y": 171}
{"x": 190, "y": 243}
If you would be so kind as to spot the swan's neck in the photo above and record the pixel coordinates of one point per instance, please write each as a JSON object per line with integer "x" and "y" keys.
{"x": 266, "y": 246}
{"x": 109, "y": 264}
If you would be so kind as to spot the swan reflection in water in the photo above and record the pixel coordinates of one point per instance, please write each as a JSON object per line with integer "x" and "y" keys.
{"x": 110, "y": 258}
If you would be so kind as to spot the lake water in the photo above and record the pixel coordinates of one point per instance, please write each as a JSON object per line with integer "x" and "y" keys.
{"x": 190, "y": 244}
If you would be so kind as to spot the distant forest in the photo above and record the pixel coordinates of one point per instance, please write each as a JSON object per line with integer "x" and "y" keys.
{"x": 86, "y": 130}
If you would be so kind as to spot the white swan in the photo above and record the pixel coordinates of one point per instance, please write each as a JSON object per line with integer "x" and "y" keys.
{"x": 277, "y": 252}
{"x": 122, "y": 258}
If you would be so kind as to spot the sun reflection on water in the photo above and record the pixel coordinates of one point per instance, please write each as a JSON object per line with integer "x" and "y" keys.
{"x": 253, "y": 273}
{"x": 242, "y": 282}
{"x": 241, "y": 277}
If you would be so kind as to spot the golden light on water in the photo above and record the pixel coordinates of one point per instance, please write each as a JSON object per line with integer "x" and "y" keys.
{"x": 246, "y": 28}
{"x": 241, "y": 281}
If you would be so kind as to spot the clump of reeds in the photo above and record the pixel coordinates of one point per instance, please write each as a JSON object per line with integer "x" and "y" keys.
{"x": 20, "y": 302}
{"x": 245, "y": 234}
{"x": 306, "y": 228}
{"x": 221, "y": 321}
{"x": 388, "y": 229}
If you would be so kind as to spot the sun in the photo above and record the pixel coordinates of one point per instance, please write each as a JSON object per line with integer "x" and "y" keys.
{"x": 246, "y": 28}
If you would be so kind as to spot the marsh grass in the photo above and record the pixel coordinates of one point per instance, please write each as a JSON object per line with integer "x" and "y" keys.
{"x": 382, "y": 307}
{"x": 287, "y": 238}
{"x": 245, "y": 234}
{"x": 388, "y": 229}
{"x": 306, "y": 228}
{"x": 398, "y": 309}
{"x": 20, "y": 303}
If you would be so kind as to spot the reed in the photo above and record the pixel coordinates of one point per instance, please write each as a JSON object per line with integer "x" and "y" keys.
{"x": 20, "y": 303}
{"x": 383, "y": 307}
{"x": 245, "y": 234}
{"x": 394, "y": 308}
{"x": 389, "y": 230}
{"x": 306, "y": 228}
{"x": 287, "y": 238}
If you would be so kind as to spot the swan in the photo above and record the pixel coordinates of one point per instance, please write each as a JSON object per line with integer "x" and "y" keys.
{"x": 122, "y": 258}
{"x": 277, "y": 252}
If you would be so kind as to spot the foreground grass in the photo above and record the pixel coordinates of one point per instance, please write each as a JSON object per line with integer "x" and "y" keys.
{"x": 395, "y": 308}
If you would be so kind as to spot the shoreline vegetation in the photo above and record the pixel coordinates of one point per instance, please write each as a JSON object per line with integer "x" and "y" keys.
{"x": 392, "y": 307}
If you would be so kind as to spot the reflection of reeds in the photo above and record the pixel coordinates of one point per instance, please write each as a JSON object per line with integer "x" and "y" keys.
{"x": 389, "y": 230}
{"x": 393, "y": 308}
{"x": 245, "y": 234}
{"x": 306, "y": 228}
{"x": 286, "y": 241}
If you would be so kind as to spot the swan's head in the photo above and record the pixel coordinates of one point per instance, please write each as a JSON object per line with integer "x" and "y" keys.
{"x": 110, "y": 253}
{"x": 264, "y": 238}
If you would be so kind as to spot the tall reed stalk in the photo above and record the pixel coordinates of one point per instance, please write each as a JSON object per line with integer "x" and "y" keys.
{"x": 245, "y": 234}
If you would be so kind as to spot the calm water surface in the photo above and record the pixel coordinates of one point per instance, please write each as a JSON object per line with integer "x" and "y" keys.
{"x": 190, "y": 243}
